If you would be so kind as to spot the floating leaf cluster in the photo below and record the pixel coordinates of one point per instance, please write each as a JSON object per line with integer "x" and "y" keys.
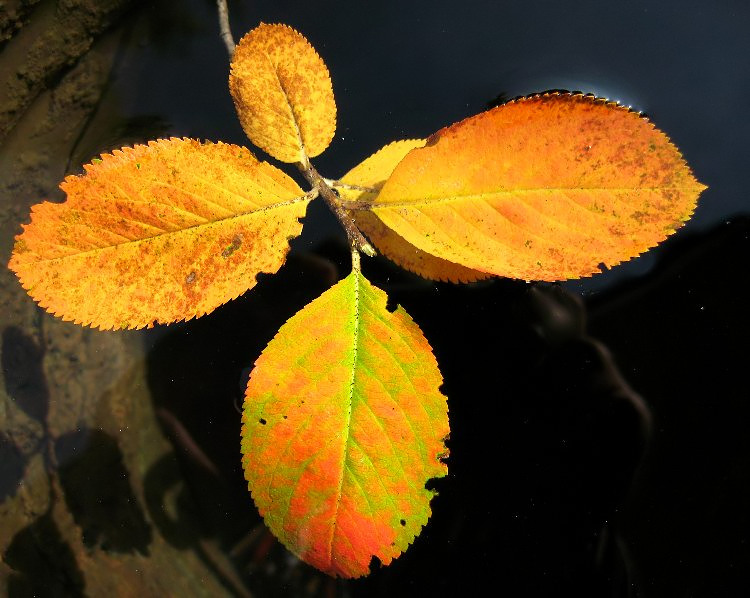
{"x": 343, "y": 421}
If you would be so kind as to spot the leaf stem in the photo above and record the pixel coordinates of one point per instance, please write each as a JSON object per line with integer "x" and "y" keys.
{"x": 226, "y": 32}
{"x": 355, "y": 260}
{"x": 357, "y": 240}
{"x": 356, "y": 206}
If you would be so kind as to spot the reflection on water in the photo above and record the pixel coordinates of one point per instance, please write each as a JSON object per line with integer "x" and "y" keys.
{"x": 119, "y": 460}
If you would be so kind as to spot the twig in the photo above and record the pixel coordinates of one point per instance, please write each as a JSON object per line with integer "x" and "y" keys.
{"x": 226, "y": 32}
{"x": 357, "y": 240}
{"x": 320, "y": 185}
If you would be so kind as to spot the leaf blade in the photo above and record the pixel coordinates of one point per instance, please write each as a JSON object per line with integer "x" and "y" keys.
{"x": 158, "y": 233}
{"x": 544, "y": 188}
{"x": 282, "y": 92}
{"x": 337, "y": 449}
{"x": 362, "y": 184}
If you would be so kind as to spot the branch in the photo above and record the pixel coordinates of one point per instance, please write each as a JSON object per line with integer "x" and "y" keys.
{"x": 226, "y": 32}
{"x": 357, "y": 240}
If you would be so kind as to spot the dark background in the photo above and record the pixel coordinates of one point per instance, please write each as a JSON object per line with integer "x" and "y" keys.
{"x": 599, "y": 443}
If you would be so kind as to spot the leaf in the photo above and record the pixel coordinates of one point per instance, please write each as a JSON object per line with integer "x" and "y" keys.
{"x": 373, "y": 172}
{"x": 343, "y": 425}
{"x": 362, "y": 183}
{"x": 283, "y": 94}
{"x": 543, "y": 188}
{"x": 158, "y": 233}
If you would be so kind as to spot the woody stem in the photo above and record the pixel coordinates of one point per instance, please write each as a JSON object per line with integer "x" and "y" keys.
{"x": 226, "y": 32}
{"x": 357, "y": 240}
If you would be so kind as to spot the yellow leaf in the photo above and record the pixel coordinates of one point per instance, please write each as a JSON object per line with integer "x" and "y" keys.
{"x": 543, "y": 188}
{"x": 362, "y": 183}
{"x": 158, "y": 233}
{"x": 283, "y": 94}
{"x": 370, "y": 174}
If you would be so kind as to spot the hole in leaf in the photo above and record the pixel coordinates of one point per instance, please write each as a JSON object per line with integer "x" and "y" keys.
{"x": 375, "y": 564}
{"x": 500, "y": 99}
{"x": 261, "y": 276}
{"x": 436, "y": 485}
{"x": 391, "y": 305}
{"x": 262, "y": 422}
{"x": 403, "y": 522}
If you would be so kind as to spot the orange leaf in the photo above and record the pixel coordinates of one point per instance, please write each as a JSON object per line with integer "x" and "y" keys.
{"x": 543, "y": 188}
{"x": 158, "y": 233}
{"x": 362, "y": 183}
{"x": 283, "y": 94}
{"x": 343, "y": 425}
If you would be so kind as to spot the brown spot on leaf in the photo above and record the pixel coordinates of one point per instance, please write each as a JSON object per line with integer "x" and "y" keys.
{"x": 432, "y": 139}
{"x": 234, "y": 246}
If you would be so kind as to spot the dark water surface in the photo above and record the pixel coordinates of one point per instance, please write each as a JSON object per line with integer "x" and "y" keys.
{"x": 599, "y": 440}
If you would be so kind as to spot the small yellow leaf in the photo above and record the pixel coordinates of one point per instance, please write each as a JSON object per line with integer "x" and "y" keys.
{"x": 371, "y": 173}
{"x": 543, "y": 188}
{"x": 283, "y": 94}
{"x": 158, "y": 233}
{"x": 362, "y": 183}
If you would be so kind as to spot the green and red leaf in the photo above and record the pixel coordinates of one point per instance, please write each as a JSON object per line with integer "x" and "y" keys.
{"x": 343, "y": 425}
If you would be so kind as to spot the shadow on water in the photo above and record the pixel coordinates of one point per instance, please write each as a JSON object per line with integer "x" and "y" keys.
{"x": 12, "y": 466}
{"x": 43, "y": 563}
{"x": 26, "y": 385}
{"x": 22, "y": 367}
{"x": 99, "y": 494}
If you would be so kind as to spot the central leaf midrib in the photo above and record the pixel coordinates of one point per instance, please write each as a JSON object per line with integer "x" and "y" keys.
{"x": 297, "y": 130}
{"x": 174, "y": 232}
{"x": 355, "y": 349}
{"x": 469, "y": 196}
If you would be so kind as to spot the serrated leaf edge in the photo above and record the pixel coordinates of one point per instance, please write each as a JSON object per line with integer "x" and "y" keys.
{"x": 112, "y": 159}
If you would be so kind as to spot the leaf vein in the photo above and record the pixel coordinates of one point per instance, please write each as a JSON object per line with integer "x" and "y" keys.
{"x": 470, "y": 196}
{"x": 301, "y": 198}
{"x": 355, "y": 349}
